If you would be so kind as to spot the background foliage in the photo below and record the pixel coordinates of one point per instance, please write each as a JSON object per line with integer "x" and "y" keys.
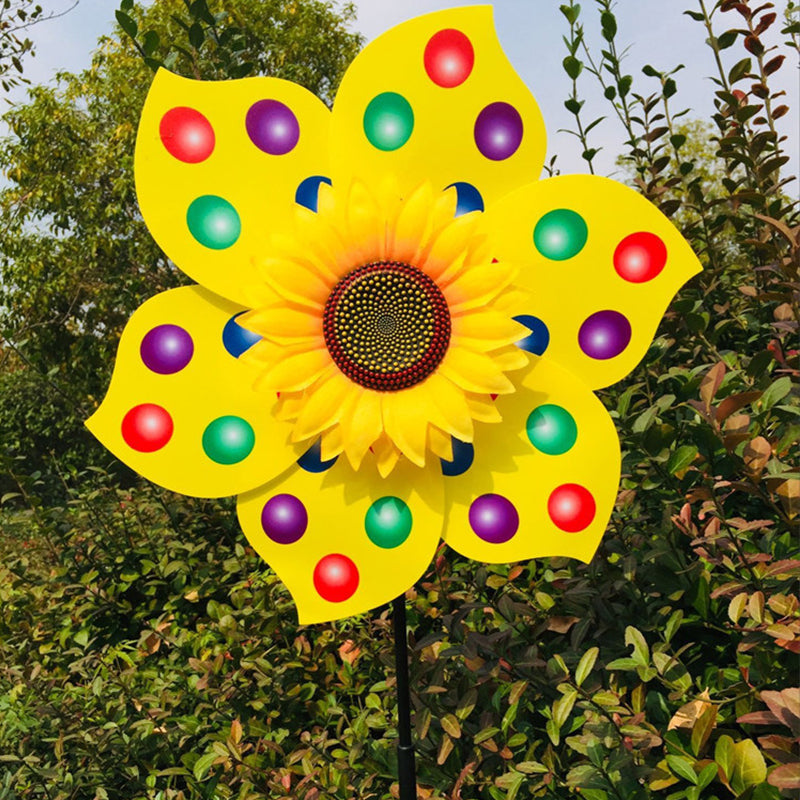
{"x": 145, "y": 652}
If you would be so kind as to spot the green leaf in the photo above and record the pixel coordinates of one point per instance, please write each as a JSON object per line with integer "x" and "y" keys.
{"x": 608, "y": 25}
{"x": 749, "y": 767}
{"x": 739, "y": 70}
{"x": 725, "y": 40}
{"x": 196, "y": 36}
{"x": 128, "y": 24}
{"x": 451, "y": 726}
{"x": 724, "y": 755}
{"x": 586, "y": 664}
{"x": 682, "y": 767}
{"x": 681, "y": 458}
{"x": 776, "y": 392}
{"x": 203, "y": 765}
{"x": 641, "y": 652}
{"x": 572, "y": 66}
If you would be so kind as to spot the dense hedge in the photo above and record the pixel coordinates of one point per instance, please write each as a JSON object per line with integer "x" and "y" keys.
{"x": 145, "y": 652}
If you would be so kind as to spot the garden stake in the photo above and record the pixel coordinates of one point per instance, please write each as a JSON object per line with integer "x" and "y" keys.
{"x": 406, "y": 771}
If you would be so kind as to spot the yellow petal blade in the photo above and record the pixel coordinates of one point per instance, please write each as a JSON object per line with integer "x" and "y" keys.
{"x": 600, "y": 263}
{"x": 181, "y": 408}
{"x": 474, "y": 372}
{"x": 345, "y": 542}
{"x": 549, "y": 492}
{"x": 436, "y": 99}
{"x": 218, "y": 166}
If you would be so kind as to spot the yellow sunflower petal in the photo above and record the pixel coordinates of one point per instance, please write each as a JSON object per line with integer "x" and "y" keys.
{"x": 289, "y": 369}
{"x": 483, "y": 408}
{"x": 218, "y": 167}
{"x": 485, "y": 330}
{"x": 387, "y": 455}
{"x": 601, "y": 265}
{"x": 324, "y": 405}
{"x": 345, "y": 542}
{"x": 436, "y": 99}
{"x": 474, "y": 372}
{"x": 283, "y": 324}
{"x": 440, "y": 443}
{"x": 544, "y": 482}
{"x": 406, "y": 422}
{"x": 477, "y": 286}
{"x": 362, "y": 424}
{"x": 296, "y": 282}
{"x": 446, "y": 407}
{"x": 181, "y": 408}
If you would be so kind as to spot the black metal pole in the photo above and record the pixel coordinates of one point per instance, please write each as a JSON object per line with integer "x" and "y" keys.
{"x": 406, "y": 770}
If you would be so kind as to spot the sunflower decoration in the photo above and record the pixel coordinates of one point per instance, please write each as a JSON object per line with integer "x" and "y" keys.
{"x": 397, "y": 329}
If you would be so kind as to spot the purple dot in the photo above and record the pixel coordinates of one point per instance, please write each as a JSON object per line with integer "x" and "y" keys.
{"x": 604, "y": 335}
{"x": 498, "y": 131}
{"x": 272, "y": 127}
{"x": 284, "y": 518}
{"x": 166, "y": 349}
{"x": 493, "y": 518}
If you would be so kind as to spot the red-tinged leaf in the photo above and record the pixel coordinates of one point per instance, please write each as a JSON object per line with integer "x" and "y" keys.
{"x": 732, "y": 404}
{"x": 778, "y": 748}
{"x": 788, "y": 568}
{"x": 759, "y": 718}
{"x": 756, "y": 455}
{"x": 782, "y": 228}
{"x": 561, "y": 624}
{"x": 786, "y": 776}
{"x": 785, "y": 705}
{"x": 711, "y": 383}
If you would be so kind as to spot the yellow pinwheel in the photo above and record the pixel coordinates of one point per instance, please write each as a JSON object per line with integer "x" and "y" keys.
{"x": 397, "y": 329}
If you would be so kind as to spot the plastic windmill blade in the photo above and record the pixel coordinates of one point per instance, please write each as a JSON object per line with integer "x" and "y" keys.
{"x": 396, "y": 333}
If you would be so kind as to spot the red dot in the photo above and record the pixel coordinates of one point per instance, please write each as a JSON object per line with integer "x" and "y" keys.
{"x": 187, "y": 135}
{"x": 640, "y": 257}
{"x": 571, "y": 507}
{"x": 147, "y": 428}
{"x": 336, "y": 578}
{"x": 449, "y": 58}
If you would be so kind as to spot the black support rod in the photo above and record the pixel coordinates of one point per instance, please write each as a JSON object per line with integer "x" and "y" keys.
{"x": 406, "y": 770}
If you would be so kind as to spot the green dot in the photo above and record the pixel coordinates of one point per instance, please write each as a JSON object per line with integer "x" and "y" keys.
{"x": 560, "y": 234}
{"x": 552, "y": 429}
{"x": 388, "y": 522}
{"x": 213, "y": 222}
{"x": 388, "y": 121}
{"x": 228, "y": 440}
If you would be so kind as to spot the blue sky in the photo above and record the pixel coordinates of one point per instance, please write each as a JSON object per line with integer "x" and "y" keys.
{"x": 530, "y": 30}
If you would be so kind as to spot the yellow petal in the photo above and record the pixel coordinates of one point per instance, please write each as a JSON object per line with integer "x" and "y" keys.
{"x": 387, "y": 455}
{"x": 486, "y": 330}
{"x": 474, "y": 372}
{"x": 440, "y": 443}
{"x": 290, "y": 369}
{"x": 439, "y": 144}
{"x": 550, "y": 493}
{"x": 593, "y": 232}
{"x": 283, "y": 323}
{"x": 296, "y": 282}
{"x": 446, "y": 407}
{"x": 362, "y": 424}
{"x": 214, "y": 216}
{"x": 197, "y": 427}
{"x": 477, "y": 286}
{"x": 377, "y": 535}
{"x": 331, "y": 444}
{"x": 406, "y": 423}
{"x": 483, "y": 408}
{"x": 324, "y": 405}
{"x": 446, "y": 249}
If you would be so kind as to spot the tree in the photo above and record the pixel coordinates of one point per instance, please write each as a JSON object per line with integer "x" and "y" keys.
{"x": 75, "y": 256}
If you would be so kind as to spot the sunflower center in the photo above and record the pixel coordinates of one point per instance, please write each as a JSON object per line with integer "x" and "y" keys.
{"x": 386, "y": 326}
